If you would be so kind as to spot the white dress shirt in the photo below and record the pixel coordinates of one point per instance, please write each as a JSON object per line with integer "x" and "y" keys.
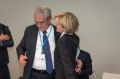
{"x": 39, "y": 60}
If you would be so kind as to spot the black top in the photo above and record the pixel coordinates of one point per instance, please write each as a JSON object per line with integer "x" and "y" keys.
{"x": 65, "y": 54}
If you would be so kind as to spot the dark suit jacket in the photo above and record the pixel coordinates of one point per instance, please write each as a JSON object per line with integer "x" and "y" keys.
{"x": 4, "y": 59}
{"x": 87, "y": 65}
{"x": 28, "y": 45}
{"x": 65, "y": 54}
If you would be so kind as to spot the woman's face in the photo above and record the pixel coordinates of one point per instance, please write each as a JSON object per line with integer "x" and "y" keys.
{"x": 59, "y": 27}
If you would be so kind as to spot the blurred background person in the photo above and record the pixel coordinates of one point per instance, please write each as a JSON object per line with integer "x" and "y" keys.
{"x": 5, "y": 41}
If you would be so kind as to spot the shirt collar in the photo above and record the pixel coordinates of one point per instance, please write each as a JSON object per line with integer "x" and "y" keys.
{"x": 49, "y": 28}
{"x": 66, "y": 33}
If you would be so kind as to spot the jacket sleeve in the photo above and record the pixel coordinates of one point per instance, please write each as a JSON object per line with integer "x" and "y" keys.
{"x": 87, "y": 64}
{"x": 21, "y": 48}
{"x": 7, "y": 43}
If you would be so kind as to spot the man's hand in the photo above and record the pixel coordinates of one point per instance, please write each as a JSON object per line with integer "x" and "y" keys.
{"x": 78, "y": 66}
{"x": 22, "y": 59}
{"x": 4, "y": 37}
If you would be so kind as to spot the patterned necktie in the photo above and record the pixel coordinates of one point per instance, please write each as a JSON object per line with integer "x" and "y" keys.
{"x": 46, "y": 51}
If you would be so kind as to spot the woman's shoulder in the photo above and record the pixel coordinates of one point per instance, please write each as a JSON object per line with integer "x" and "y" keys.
{"x": 83, "y": 52}
{"x": 67, "y": 38}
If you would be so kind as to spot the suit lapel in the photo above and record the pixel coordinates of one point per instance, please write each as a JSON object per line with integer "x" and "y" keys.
{"x": 34, "y": 39}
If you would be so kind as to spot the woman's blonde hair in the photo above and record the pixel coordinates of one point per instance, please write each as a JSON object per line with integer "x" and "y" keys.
{"x": 68, "y": 21}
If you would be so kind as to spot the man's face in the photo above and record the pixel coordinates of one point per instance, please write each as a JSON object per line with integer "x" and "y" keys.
{"x": 40, "y": 21}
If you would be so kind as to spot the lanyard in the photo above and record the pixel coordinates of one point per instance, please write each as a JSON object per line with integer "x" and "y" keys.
{"x": 43, "y": 43}
{"x": 78, "y": 52}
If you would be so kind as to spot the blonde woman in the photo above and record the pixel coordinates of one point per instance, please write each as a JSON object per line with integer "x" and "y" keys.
{"x": 65, "y": 52}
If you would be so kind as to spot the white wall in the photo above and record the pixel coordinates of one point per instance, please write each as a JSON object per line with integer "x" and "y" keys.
{"x": 99, "y": 28}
